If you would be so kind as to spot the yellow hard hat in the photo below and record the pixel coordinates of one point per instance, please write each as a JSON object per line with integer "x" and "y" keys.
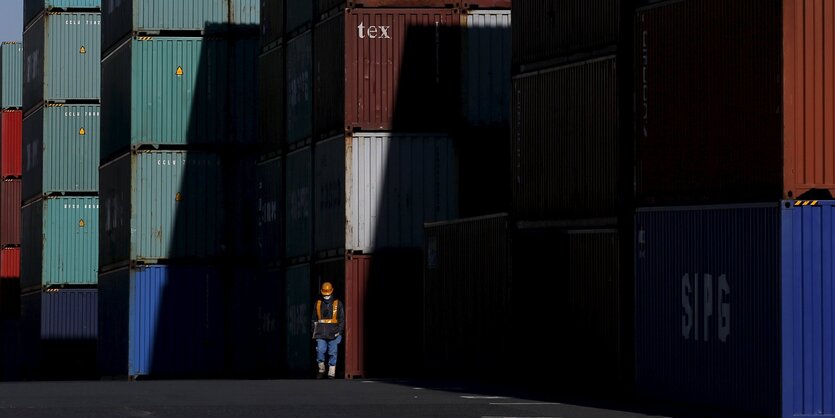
{"x": 327, "y": 288}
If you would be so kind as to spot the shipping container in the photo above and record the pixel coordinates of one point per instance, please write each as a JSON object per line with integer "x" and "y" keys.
{"x": 161, "y": 205}
{"x": 11, "y": 143}
{"x": 35, "y": 8}
{"x": 270, "y": 193}
{"x": 9, "y": 285}
{"x": 402, "y": 69}
{"x": 485, "y": 68}
{"x": 466, "y": 296}
{"x": 565, "y": 142}
{"x": 299, "y": 88}
{"x": 299, "y": 204}
{"x": 125, "y": 18}
{"x": 166, "y": 91}
{"x": 272, "y": 22}
{"x": 244, "y": 90}
{"x": 62, "y": 59}
{"x": 59, "y": 242}
{"x": 11, "y": 75}
{"x": 59, "y": 329}
{"x": 720, "y": 117}
{"x": 299, "y": 296}
{"x": 10, "y": 203}
{"x": 255, "y": 323}
{"x": 546, "y": 29}
{"x": 484, "y": 171}
{"x": 329, "y": 77}
{"x": 375, "y": 191}
{"x": 271, "y": 99}
{"x": 299, "y": 14}
{"x": 61, "y": 150}
{"x": 241, "y": 207}
{"x": 163, "y": 321}
{"x": 577, "y": 274}
{"x": 11, "y": 350}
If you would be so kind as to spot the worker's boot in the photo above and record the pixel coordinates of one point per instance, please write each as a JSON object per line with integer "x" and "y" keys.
{"x": 321, "y": 373}
{"x": 331, "y": 372}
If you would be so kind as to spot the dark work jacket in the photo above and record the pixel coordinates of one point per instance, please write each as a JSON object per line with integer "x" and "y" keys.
{"x": 326, "y": 330}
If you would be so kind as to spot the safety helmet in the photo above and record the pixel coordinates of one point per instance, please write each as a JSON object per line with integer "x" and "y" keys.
{"x": 327, "y": 289}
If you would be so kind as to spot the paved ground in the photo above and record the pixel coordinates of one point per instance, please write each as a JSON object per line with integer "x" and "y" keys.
{"x": 292, "y": 398}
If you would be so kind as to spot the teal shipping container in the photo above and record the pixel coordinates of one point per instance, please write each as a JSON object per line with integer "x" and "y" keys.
{"x": 62, "y": 59}
{"x": 299, "y": 204}
{"x": 125, "y": 18}
{"x": 34, "y": 8}
{"x": 299, "y": 308}
{"x": 11, "y": 75}
{"x": 61, "y": 150}
{"x": 161, "y": 205}
{"x": 58, "y": 242}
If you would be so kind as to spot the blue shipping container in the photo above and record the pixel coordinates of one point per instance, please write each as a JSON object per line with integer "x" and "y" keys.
{"x": 734, "y": 307}
{"x": 161, "y": 321}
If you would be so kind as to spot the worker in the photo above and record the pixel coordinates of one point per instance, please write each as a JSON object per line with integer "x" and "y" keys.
{"x": 328, "y": 327}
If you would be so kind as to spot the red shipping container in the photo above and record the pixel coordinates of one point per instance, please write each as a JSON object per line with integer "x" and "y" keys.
{"x": 740, "y": 110}
{"x": 402, "y": 69}
{"x": 10, "y": 212}
{"x": 10, "y": 283}
{"x": 11, "y": 143}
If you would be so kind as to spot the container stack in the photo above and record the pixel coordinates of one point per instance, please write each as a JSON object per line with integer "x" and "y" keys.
{"x": 735, "y": 174}
{"x": 60, "y": 216}
{"x": 11, "y": 126}
{"x": 570, "y": 190}
{"x": 177, "y": 170}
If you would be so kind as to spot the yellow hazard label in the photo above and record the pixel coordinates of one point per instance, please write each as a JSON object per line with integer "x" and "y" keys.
{"x": 179, "y": 71}
{"x": 83, "y": 50}
{"x": 178, "y": 197}
{"x": 82, "y": 131}
{"x": 81, "y": 223}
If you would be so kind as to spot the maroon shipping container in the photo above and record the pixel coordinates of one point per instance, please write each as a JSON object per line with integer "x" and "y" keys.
{"x": 11, "y": 143}
{"x": 549, "y": 29}
{"x": 9, "y": 283}
{"x": 10, "y": 212}
{"x": 467, "y": 297}
{"x": 565, "y": 142}
{"x": 402, "y": 68}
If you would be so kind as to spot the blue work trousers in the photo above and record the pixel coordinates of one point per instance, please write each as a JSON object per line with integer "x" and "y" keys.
{"x": 330, "y": 346}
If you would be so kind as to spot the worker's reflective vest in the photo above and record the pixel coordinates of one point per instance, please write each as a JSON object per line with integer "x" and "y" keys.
{"x": 333, "y": 319}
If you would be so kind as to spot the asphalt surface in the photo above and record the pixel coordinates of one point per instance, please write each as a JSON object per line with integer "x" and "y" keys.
{"x": 290, "y": 398}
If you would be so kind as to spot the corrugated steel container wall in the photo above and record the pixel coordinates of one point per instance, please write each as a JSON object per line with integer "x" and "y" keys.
{"x": 484, "y": 171}
{"x": 59, "y": 241}
{"x": 11, "y": 143}
{"x": 272, "y": 21}
{"x": 62, "y": 55}
{"x": 240, "y": 206}
{"x": 299, "y": 14}
{"x": 10, "y": 212}
{"x": 357, "y": 272}
{"x": 34, "y": 8}
{"x": 466, "y": 295}
{"x": 546, "y": 29}
{"x": 299, "y": 296}
{"x": 485, "y": 68}
{"x": 9, "y": 284}
{"x": 324, "y": 6}
{"x": 421, "y": 48}
{"x": 808, "y": 381}
{"x": 565, "y": 142}
{"x": 329, "y": 78}
{"x": 62, "y": 150}
{"x": 270, "y": 195}
{"x": 244, "y": 90}
{"x": 707, "y": 292}
{"x": 255, "y": 323}
{"x": 808, "y": 96}
{"x": 299, "y": 204}
{"x": 11, "y": 75}
{"x": 124, "y": 17}
{"x": 161, "y": 205}
{"x": 299, "y": 100}
{"x": 271, "y": 98}
{"x": 329, "y": 195}
{"x": 161, "y": 321}
{"x": 69, "y": 314}
{"x": 707, "y": 134}
{"x": 394, "y": 184}
{"x": 147, "y": 102}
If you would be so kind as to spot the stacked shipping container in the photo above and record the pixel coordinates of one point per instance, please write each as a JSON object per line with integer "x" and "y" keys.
{"x": 11, "y": 118}
{"x": 733, "y": 285}
{"x": 60, "y": 148}
{"x": 178, "y": 185}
